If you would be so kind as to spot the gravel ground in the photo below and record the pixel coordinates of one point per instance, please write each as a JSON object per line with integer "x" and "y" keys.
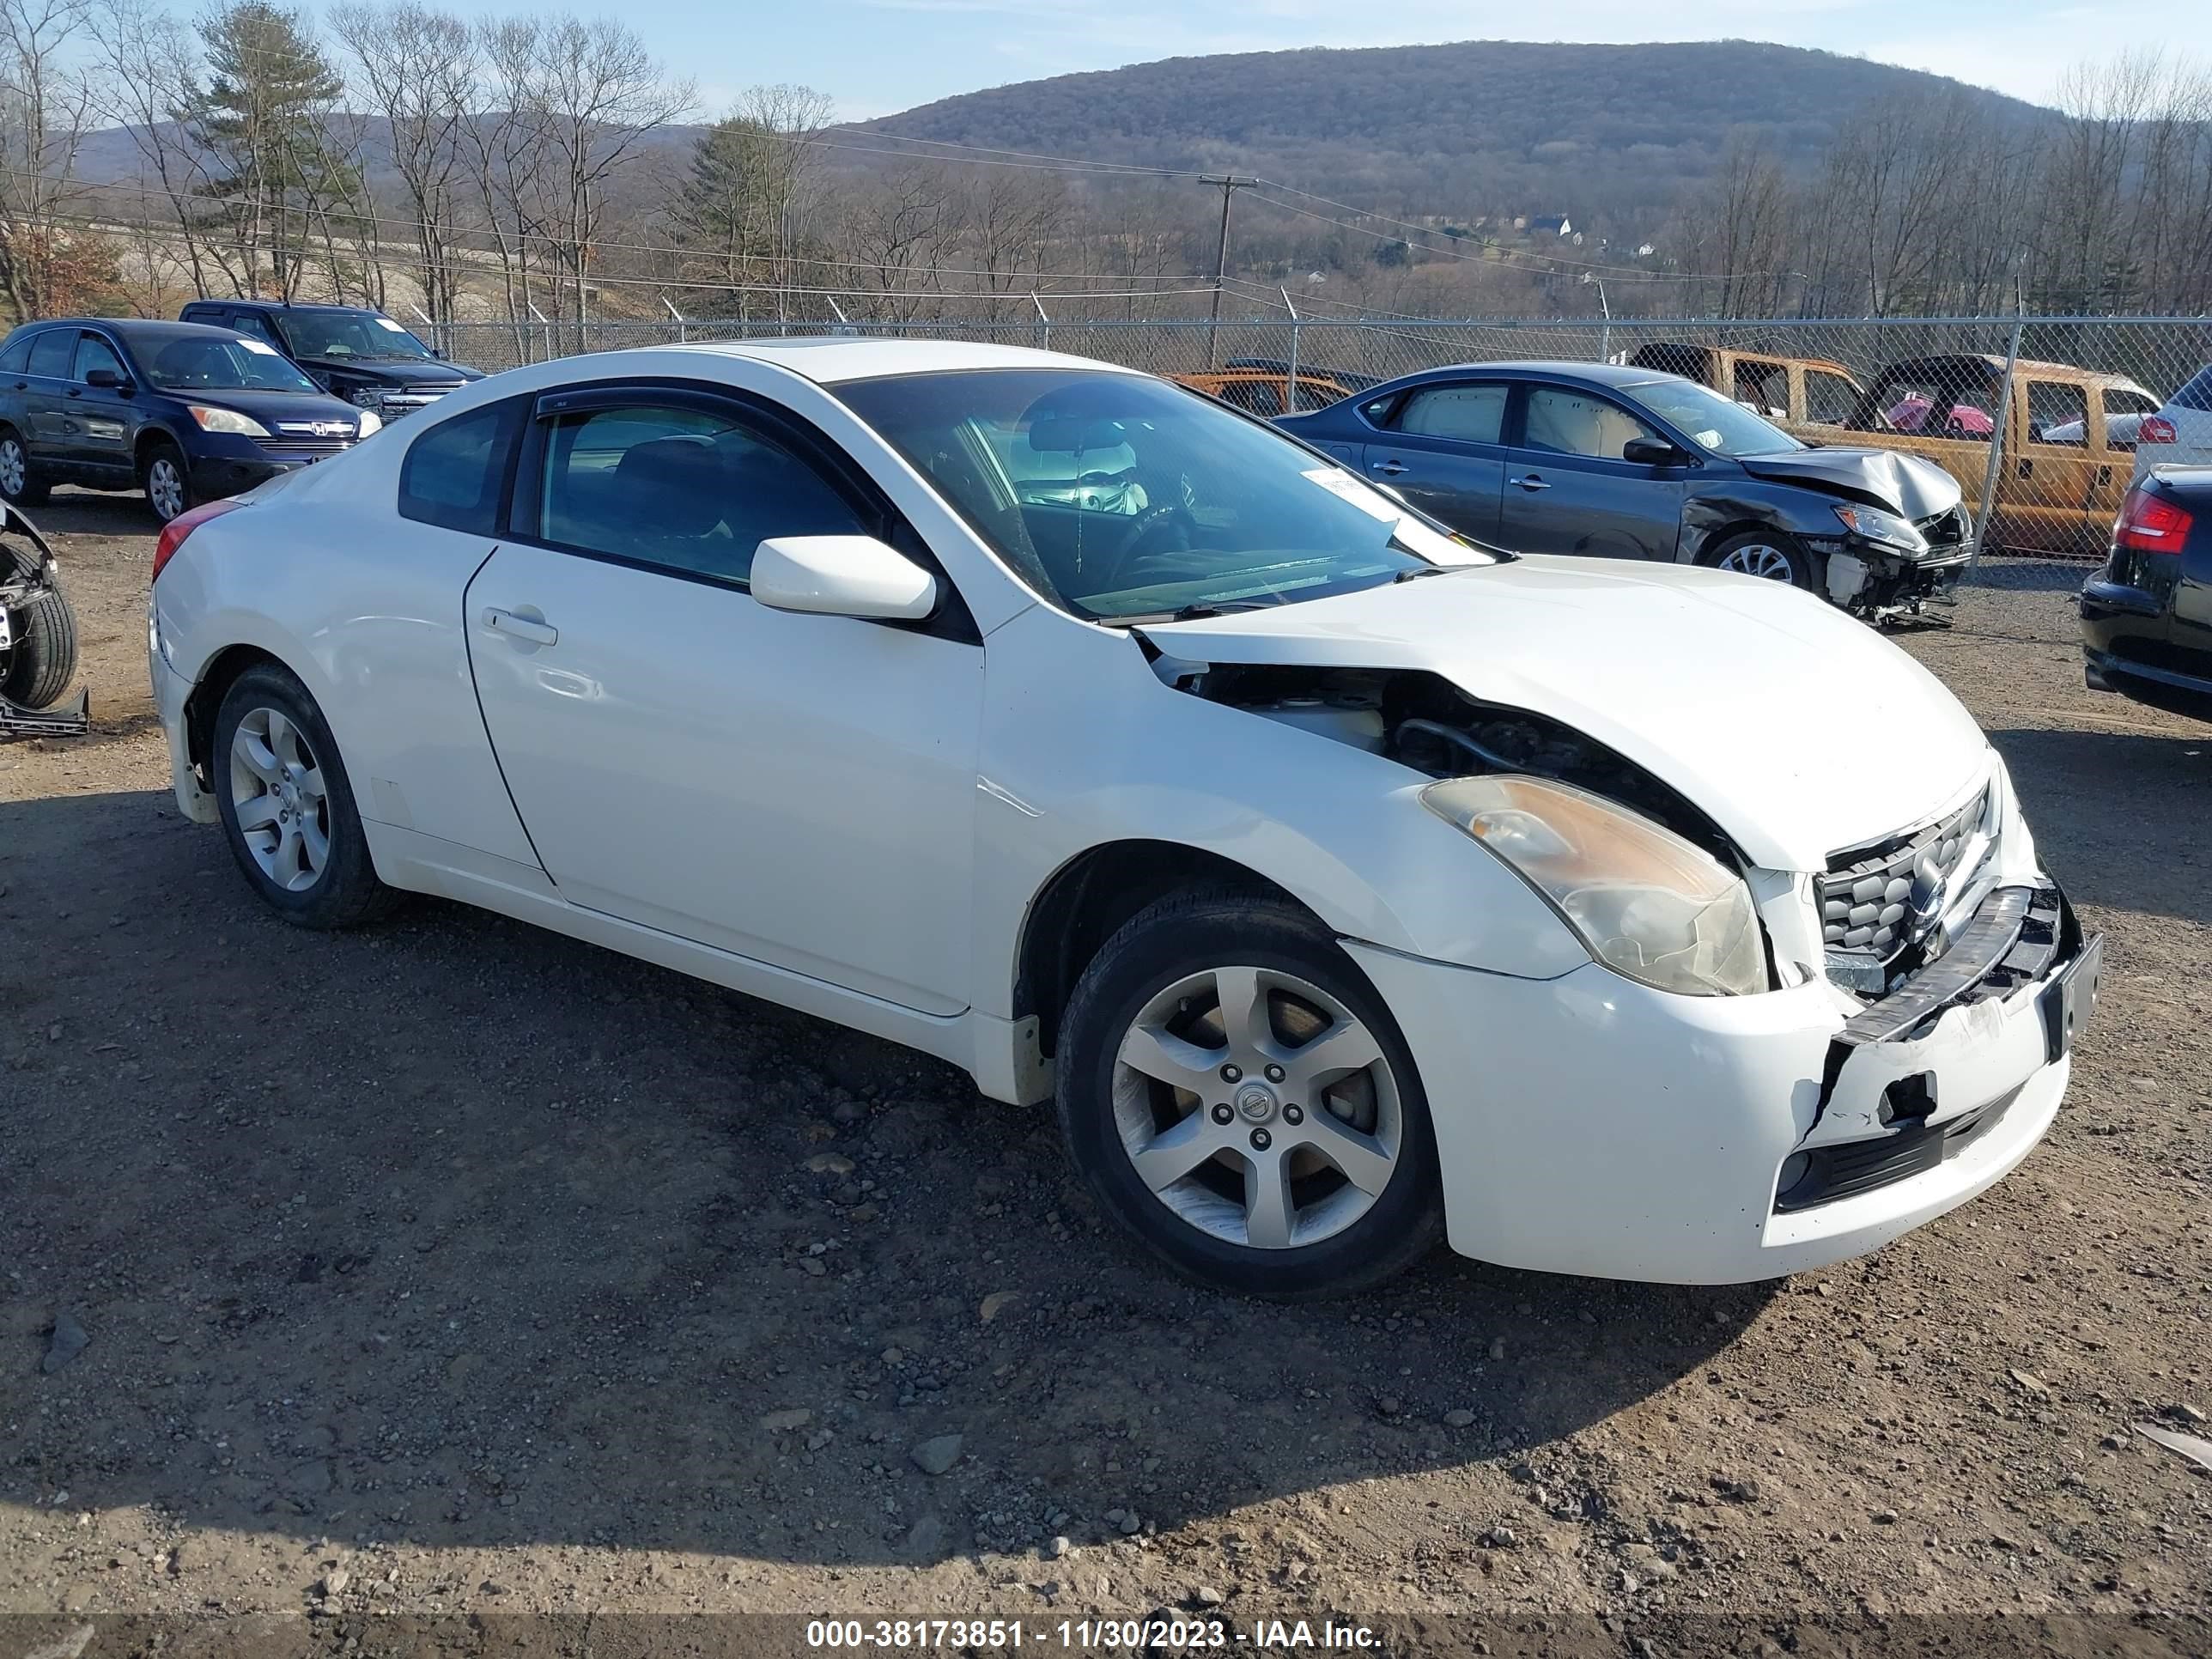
{"x": 452, "y": 1269}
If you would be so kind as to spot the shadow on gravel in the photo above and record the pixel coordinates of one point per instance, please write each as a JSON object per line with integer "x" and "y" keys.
{"x": 2033, "y": 575}
{"x": 2104, "y": 805}
{"x": 452, "y": 1232}
{"x": 94, "y": 512}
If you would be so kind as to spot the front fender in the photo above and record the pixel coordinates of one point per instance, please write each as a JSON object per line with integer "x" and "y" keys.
{"x": 1722, "y": 508}
{"x": 1083, "y": 746}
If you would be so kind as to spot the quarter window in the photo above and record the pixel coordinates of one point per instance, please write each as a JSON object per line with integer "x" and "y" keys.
{"x": 1470, "y": 414}
{"x": 51, "y": 353}
{"x": 16, "y": 359}
{"x": 93, "y": 352}
{"x": 1567, "y": 423}
{"x": 454, "y": 473}
{"x": 687, "y": 490}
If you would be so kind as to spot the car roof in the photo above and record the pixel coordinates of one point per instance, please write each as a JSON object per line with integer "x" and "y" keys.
{"x": 830, "y": 360}
{"x": 278, "y": 304}
{"x": 141, "y": 328}
{"x": 1611, "y": 374}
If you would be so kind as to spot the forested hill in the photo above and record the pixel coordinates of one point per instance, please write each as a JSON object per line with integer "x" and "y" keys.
{"x": 1509, "y": 121}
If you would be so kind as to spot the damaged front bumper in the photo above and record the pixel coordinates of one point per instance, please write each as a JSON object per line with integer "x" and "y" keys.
{"x": 1591, "y": 1125}
{"x": 1865, "y": 575}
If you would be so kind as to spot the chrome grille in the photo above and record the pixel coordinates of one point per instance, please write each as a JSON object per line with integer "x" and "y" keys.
{"x": 1873, "y": 898}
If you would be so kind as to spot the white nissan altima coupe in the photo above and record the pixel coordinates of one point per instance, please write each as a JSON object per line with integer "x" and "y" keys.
{"x": 1342, "y": 882}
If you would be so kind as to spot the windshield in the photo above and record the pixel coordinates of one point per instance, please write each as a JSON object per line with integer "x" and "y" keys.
{"x": 1711, "y": 420}
{"x": 351, "y": 334}
{"x": 209, "y": 362}
{"x": 1122, "y": 497}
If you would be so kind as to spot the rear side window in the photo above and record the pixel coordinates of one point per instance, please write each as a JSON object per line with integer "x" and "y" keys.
{"x": 51, "y": 353}
{"x": 1470, "y": 414}
{"x": 253, "y": 322}
{"x": 2197, "y": 394}
{"x": 17, "y": 358}
{"x": 454, "y": 473}
{"x": 2058, "y": 413}
{"x": 1829, "y": 397}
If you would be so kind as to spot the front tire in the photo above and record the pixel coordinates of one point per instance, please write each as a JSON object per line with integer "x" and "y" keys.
{"x": 167, "y": 481}
{"x": 38, "y": 667}
{"x": 288, "y": 809}
{"x": 20, "y": 483}
{"x": 1239, "y": 1096}
{"x": 1774, "y": 555}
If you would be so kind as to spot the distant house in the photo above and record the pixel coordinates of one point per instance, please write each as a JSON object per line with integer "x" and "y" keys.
{"x": 1550, "y": 224}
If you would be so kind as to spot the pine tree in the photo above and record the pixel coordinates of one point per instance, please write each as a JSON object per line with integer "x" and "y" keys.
{"x": 259, "y": 120}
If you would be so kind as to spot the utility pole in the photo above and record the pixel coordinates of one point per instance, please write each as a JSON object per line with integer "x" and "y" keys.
{"x": 1230, "y": 183}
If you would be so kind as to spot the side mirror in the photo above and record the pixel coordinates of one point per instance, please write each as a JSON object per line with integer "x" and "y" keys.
{"x": 1651, "y": 451}
{"x": 841, "y": 576}
{"x": 107, "y": 378}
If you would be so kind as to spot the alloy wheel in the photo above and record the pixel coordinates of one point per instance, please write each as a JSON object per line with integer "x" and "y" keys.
{"x": 14, "y": 467}
{"x": 1257, "y": 1108}
{"x": 276, "y": 788}
{"x": 165, "y": 488}
{"x": 1757, "y": 559}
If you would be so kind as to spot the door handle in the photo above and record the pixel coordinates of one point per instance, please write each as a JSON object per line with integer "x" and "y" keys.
{"x": 522, "y": 627}
{"x": 1389, "y": 469}
{"x": 1532, "y": 481}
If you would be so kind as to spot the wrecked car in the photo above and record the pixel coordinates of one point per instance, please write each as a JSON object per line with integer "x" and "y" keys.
{"x": 1344, "y": 884}
{"x": 1625, "y": 462}
{"x": 2069, "y": 441}
{"x": 37, "y": 636}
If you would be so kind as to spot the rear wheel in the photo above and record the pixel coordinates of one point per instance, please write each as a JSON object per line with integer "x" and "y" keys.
{"x": 288, "y": 809}
{"x": 166, "y": 481}
{"x": 20, "y": 483}
{"x": 40, "y": 658}
{"x": 1771, "y": 554}
{"x": 1239, "y": 1096}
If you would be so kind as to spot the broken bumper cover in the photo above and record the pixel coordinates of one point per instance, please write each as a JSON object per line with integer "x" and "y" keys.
{"x": 1590, "y": 1125}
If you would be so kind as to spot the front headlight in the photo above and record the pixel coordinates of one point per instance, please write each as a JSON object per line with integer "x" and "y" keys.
{"x": 370, "y": 422}
{"x": 226, "y": 420}
{"x": 1644, "y": 902}
{"x": 1886, "y": 529}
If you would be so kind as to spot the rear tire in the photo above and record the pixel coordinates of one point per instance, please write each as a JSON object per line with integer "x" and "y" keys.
{"x": 1282, "y": 1172}
{"x": 1774, "y": 555}
{"x": 167, "y": 481}
{"x": 20, "y": 483}
{"x": 38, "y": 666}
{"x": 288, "y": 808}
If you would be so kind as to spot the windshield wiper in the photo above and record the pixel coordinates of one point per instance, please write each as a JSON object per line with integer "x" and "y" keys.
{"x": 1196, "y": 612}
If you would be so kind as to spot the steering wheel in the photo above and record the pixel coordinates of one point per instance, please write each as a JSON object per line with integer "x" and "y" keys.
{"x": 1146, "y": 525}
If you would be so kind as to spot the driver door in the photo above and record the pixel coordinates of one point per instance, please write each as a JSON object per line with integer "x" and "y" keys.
{"x": 796, "y": 789}
{"x": 1568, "y": 488}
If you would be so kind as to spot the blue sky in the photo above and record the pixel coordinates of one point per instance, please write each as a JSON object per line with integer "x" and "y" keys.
{"x": 877, "y": 57}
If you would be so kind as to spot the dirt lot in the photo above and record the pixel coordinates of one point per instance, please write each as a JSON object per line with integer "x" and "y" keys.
{"x": 453, "y": 1268}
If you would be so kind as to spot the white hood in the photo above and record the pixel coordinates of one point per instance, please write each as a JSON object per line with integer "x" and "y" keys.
{"x": 1800, "y": 731}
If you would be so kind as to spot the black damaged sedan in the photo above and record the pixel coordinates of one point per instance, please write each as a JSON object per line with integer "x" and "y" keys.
{"x": 1614, "y": 462}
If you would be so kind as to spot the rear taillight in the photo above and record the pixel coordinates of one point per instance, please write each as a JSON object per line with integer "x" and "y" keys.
{"x": 2154, "y": 430}
{"x": 2150, "y": 524}
{"x": 174, "y": 532}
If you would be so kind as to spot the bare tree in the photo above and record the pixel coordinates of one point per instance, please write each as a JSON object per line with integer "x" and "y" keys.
{"x": 602, "y": 97}
{"x": 45, "y": 108}
{"x": 896, "y": 232}
{"x": 150, "y": 62}
{"x": 420, "y": 68}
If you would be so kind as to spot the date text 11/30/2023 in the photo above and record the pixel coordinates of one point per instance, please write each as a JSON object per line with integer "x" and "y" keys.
{"x": 1083, "y": 1635}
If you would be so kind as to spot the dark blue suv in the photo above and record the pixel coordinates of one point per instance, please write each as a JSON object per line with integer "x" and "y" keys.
{"x": 184, "y": 412}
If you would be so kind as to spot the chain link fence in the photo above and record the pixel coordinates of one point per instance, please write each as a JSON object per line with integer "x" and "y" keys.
{"x": 2037, "y": 417}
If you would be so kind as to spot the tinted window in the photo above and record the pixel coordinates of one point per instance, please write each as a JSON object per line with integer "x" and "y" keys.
{"x": 1472, "y": 414}
{"x": 454, "y": 473}
{"x": 51, "y": 353}
{"x": 1567, "y": 423}
{"x": 16, "y": 359}
{"x": 682, "y": 489}
{"x": 253, "y": 323}
{"x": 340, "y": 334}
{"x": 93, "y": 352}
{"x": 2058, "y": 413}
